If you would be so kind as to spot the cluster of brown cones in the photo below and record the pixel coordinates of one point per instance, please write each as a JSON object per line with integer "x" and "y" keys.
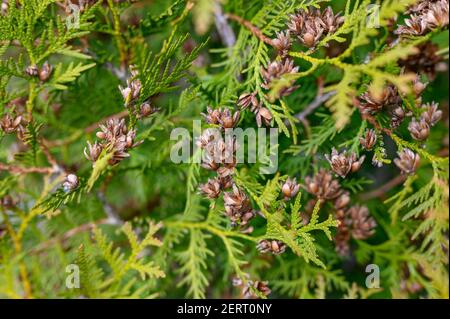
{"x": 425, "y": 16}
{"x": 355, "y": 221}
{"x": 219, "y": 155}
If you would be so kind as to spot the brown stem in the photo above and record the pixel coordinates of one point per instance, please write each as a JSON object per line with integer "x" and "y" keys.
{"x": 91, "y": 128}
{"x": 252, "y": 28}
{"x": 26, "y": 170}
{"x": 68, "y": 234}
{"x": 49, "y": 155}
{"x": 379, "y": 192}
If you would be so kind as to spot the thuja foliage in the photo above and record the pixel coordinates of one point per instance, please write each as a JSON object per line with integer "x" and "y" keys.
{"x": 93, "y": 206}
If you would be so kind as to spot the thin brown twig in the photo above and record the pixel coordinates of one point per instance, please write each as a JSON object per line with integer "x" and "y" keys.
{"x": 68, "y": 234}
{"x": 91, "y": 128}
{"x": 252, "y": 28}
{"x": 379, "y": 192}
{"x": 26, "y": 170}
{"x": 50, "y": 158}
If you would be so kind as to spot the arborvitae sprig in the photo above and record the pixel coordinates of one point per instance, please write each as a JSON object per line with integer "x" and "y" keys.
{"x": 91, "y": 91}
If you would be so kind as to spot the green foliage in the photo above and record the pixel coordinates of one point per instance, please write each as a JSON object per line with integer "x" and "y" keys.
{"x": 70, "y": 74}
{"x": 95, "y": 284}
{"x": 141, "y": 227}
{"x": 194, "y": 264}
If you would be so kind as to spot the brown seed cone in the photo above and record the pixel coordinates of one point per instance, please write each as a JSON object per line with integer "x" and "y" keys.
{"x": 407, "y": 161}
{"x": 432, "y": 114}
{"x": 275, "y": 247}
{"x": 323, "y": 186}
{"x": 359, "y": 221}
{"x": 10, "y": 125}
{"x": 369, "y": 139}
{"x": 282, "y": 43}
{"x": 343, "y": 163}
{"x": 290, "y": 188}
{"x": 420, "y": 130}
{"x": 211, "y": 189}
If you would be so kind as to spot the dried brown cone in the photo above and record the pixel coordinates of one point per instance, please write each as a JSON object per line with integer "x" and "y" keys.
{"x": 212, "y": 115}
{"x": 361, "y": 224}
{"x": 290, "y": 188}
{"x": 407, "y": 161}
{"x": 146, "y": 110}
{"x": 323, "y": 186}
{"x": 414, "y": 25}
{"x": 70, "y": 183}
{"x": 420, "y": 130}
{"x": 263, "y": 115}
{"x": 7, "y": 202}
{"x": 227, "y": 119}
{"x": 418, "y": 87}
{"x": 420, "y": 6}
{"x": 236, "y": 199}
{"x": 208, "y": 136}
{"x": 369, "y": 139}
{"x": 313, "y": 31}
{"x": 246, "y": 100}
{"x": 369, "y": 103}
{"x": 275, "y": 247}
{"x": 45, "y": 72}
{"x": 10, "y": 125}
{"x": 425, "y": 16}
{"x": 209, "y": 163}
{"x": 211, "y": 189}
{"x": 92, "y": 151}
{"x": 331, "y": 21}
{"x": 341, "y": 240}
{"x": 32, "y": 70}
{"x": 309, "y": 26}
{"x": 296, "y": 22}
{"x": 225, "y": 182}
{"x": 342, "y": 201}
{"x": 282, "y": 43}
{"x": 227, "y": 169}
{"x": 132, "y": 91}
{"x": 426, "y": 61}
{"x": 237, "y": 206}
{"x": 223, "y": 151}
{"x": 398, "y": 115}
{"x": 275, "y": 70}
{"x": 343, "y": 163}
{"x": 115, "y": 138}
{"x": 432, "y": 114}
{"x": 437, "y": 14}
